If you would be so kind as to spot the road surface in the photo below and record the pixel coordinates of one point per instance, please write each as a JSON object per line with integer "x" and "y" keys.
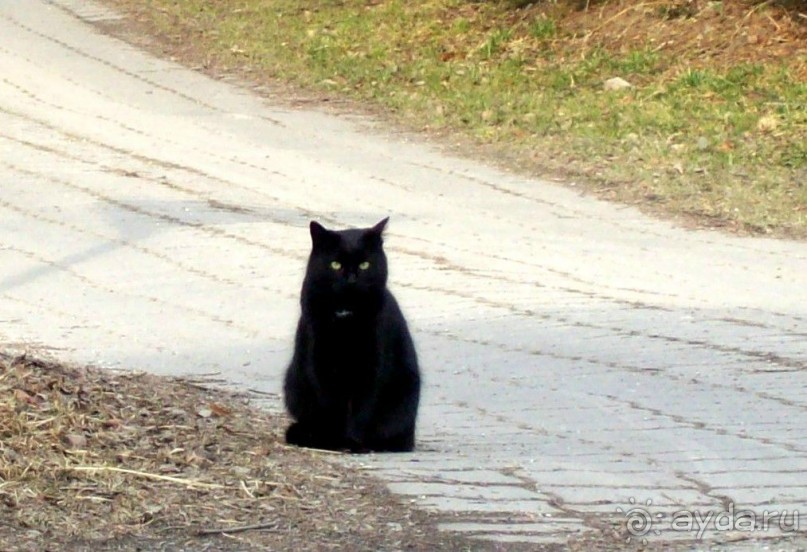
{"x": 584, "y": 365}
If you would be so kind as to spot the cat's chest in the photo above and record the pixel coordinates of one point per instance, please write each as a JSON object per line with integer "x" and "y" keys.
{"x": 347, "y": 356}
{"x": 348, "y": 343}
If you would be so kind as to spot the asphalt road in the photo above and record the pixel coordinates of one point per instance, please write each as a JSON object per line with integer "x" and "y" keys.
{"x": 580, "y": 359}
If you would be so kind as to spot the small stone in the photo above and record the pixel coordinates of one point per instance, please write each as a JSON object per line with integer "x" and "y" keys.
{"x": 616, "y": 83}
{"x": 75, "y": 440}
{"x": 703, "y": 143}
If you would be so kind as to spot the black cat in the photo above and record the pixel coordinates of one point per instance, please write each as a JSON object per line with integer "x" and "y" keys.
{"x": 353, "y": 382}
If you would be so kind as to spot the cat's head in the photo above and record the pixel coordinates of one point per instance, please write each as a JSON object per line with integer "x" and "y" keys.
{"x": 347, "y": 270}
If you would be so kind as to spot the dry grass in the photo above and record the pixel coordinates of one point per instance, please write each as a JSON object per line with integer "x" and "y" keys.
{"x": 110, "y": 461}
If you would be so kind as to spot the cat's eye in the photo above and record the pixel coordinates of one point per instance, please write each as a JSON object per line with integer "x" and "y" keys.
{"x": 336, "y": 265}
{"x": 364, "y": 266}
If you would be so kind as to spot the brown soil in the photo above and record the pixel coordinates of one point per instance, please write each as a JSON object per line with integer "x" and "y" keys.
{"x": 94, "y": 460}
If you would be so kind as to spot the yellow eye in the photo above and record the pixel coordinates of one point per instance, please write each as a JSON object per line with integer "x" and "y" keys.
{"x": 364, "y": 266}
{"x": 336, "y": 265}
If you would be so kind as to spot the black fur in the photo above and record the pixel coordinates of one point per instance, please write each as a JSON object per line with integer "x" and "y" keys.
{"x": 353, "y": 382}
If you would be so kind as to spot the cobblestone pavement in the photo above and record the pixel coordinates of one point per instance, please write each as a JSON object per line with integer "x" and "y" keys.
{"x": 584, "y": 365}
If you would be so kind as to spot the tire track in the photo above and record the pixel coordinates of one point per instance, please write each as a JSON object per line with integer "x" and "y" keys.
{"x": 441, "y": 261}
{"x": 562, "y": 274}
{"x": 470, "y": 296}
{"x": 111, "y": 290}
{"x": 119, "y": 69}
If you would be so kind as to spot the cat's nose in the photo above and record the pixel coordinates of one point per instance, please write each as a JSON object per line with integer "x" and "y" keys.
{"x": 351, "y": 279}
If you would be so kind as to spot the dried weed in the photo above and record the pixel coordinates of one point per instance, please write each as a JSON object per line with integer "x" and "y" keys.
{"x": 112, "y": 460}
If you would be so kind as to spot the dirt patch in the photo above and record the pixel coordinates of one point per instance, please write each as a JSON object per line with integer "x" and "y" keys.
{"x": 95, "y": 460}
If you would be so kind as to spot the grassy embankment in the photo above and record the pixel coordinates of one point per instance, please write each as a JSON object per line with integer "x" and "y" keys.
{"x": 714, "y": 126}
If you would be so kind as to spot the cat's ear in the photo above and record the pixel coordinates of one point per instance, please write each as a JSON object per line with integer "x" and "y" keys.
{"x": 378, "y": 229}
{"x": 373, "y": 235}
{"x": 319, "y": 234}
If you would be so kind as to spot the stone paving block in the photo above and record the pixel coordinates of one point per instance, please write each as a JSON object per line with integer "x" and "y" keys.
{"x": 763, "y": 495}
{"x": 471, "y": 507}
{"x": 582, "y": 495}
{"x": 465, "y": 491}
{"x": 547, "y": 525}
{"x": 454, "y": 477}
{"x": 528, "y": 538}
{"x": 582, "y": 478}
{"x": 755, "y": 479}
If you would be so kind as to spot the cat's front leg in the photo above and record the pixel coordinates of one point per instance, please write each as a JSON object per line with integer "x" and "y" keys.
{"x": 319, "y": 435}
{"x": 360, "y": 414}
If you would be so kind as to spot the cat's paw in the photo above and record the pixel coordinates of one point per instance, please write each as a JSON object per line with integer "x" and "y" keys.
{"x": 297, "y": 434}
{"x": 356, "y": 447}
{"x": 308, "y": 436}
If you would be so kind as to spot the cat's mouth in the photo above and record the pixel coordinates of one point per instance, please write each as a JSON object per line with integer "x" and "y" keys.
{"x": 344, "y": 313}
